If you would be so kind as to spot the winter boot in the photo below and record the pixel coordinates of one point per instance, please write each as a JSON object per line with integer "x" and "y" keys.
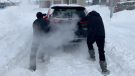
{"x": 32, "y": 68}
{"x": 92, "y": 54}
{"x": 103, "y": 66}
{"x": 41, "y": 56}
{"x": 42, "y": 59}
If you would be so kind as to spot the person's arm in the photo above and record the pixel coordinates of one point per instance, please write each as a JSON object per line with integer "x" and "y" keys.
{"x": 36, "y": 29}
{"x": 47, "y": 28}
{"x": 36, "y": 35}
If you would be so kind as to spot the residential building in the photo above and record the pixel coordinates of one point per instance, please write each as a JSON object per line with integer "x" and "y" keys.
{"x": 47, "y": 3}
{"x": 94, "y": 2}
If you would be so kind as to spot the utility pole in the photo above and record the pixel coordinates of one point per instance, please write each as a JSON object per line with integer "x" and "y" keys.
{"x": 111, "y": 14}
{"x": 68, "y": 2}
{"x": 88, "y": 2}
{"x": 37, "y": 2}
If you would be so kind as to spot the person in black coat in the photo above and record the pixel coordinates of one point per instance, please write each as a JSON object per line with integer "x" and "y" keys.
{"x": 96, "y": 33}
{"x": 40, "y": 27}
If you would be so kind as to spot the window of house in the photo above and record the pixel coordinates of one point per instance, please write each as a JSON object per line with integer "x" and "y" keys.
{"x": 74, "y": 1}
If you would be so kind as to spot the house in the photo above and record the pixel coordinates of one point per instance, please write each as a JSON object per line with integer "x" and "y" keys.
{"x": 95, "y": 2}
{"x": 47, "y": 3}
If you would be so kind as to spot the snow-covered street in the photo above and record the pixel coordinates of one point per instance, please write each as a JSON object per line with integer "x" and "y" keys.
{"x": 16, "y": 37}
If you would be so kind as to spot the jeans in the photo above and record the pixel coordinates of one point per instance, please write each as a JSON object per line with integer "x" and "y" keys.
{"x": 100, "y": 41}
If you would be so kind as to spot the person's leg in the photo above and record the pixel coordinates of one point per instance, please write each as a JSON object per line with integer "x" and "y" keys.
{"x": 100, "y": 44}
{"x": 34, "y": 48}
{"x": 33, "y": 58}
{"x": 41, "y": 56}
{"x": 90, "y": 41}
{"x": 103, "y": 64}
{"x": 41, "y": 53}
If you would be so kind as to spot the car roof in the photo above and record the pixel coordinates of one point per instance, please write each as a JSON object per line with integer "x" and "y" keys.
{"x": 66, "y": 5}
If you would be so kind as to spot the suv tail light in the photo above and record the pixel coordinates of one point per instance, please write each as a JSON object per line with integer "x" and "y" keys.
{"x": 84, "y": 22}
{"x": 117, "y": 7}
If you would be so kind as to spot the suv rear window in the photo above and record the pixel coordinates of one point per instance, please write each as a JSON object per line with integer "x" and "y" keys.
{"x": 66, "y": 12}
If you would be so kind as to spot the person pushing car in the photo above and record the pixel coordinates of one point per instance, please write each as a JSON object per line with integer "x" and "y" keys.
{"x": 40, "y": 28}
{"x": 96, "y": 33}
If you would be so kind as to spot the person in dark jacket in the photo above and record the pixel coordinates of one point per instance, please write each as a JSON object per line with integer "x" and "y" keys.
{"x": 40, "y": 27}
{"x": 96, "y": 33}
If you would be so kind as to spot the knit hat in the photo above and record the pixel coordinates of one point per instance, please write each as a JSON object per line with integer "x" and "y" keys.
{"x": 39, "y": 15}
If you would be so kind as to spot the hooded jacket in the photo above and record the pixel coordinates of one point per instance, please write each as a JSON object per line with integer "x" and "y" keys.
{"x": 40, "y": 26}
{"x": 95, "y": 24}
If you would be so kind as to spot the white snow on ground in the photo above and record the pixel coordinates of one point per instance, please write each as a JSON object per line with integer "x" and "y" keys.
{"x": 16, "y": 37}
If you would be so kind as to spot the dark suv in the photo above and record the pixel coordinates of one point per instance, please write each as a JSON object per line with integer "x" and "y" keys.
{"x": 63, "y": 13}
{"x": 120, "y": 6}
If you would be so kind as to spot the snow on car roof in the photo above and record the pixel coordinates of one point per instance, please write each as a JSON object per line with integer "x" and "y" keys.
{"x": 67, "y": 5}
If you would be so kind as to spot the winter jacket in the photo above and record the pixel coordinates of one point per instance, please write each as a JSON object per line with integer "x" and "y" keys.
{"x": 41, "y": 26}
{"x": 95, "y": 24}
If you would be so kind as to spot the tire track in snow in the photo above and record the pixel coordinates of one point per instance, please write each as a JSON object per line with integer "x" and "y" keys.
{"x": 66, "y": 63}
{"x": 71, "y": 64}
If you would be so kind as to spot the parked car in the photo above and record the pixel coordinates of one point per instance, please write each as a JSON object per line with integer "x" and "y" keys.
{"x": 2, "y": 6}
{"x": 63, "y": 13}
{"x": 120, "y": 6}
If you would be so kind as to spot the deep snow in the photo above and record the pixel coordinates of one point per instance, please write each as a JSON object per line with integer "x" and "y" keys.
{"x": 16, "y": 37}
